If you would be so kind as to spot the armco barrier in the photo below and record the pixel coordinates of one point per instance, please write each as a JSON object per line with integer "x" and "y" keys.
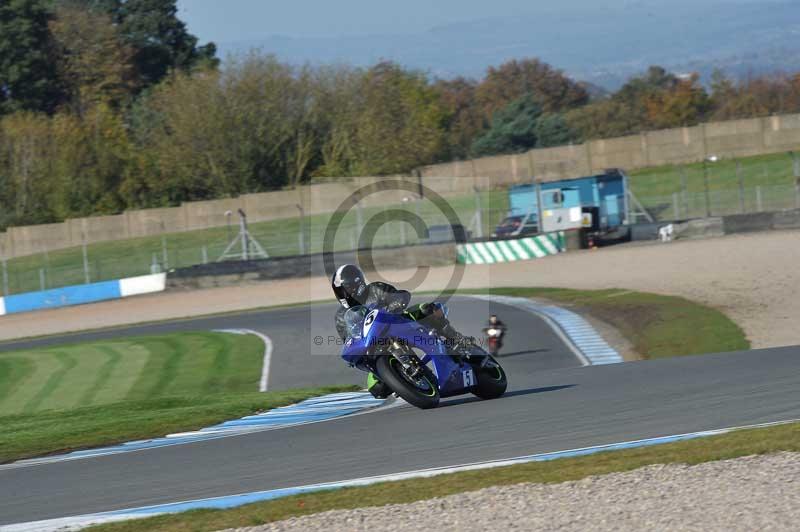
{"x": 721, "y": 225}
{"x": 80, "y": 294}
{"x": 232, "y": 273}
{"x": 534, "y": 247}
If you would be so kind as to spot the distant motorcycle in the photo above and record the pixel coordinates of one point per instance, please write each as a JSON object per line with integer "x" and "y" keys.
{"x": 494, "y": 340}
{"x": 415, "y": 362}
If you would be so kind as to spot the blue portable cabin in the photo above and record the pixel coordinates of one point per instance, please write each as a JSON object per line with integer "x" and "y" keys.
{"x": 604, "y": 191}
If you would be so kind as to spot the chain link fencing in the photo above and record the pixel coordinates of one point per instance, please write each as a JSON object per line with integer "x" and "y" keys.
{"x": 478, "y": 215}
{"x": 678, "y": 193}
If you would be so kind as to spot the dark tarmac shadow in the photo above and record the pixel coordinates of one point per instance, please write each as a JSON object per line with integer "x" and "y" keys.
{"x": 520, "y": 353}
{"x": 529, "y": 391}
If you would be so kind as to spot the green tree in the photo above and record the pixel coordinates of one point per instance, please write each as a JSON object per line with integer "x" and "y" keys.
{"x": 90, "y": 158}
{"x": 464, "y": 119}
{"x": 552, "y": 130}
{"x": 603, "y": 119}
{"x": 253, "y": 127}
{"x": 514, "y": 79}
{"x": 26, "y": 154}
{"x": 656, "y": 99}
{"x": 338, "y": 96}
{"x": 28, "y": 78}
{"x": 159, "y": 39}
{"x": 400, "y": 124}
{"x": 182, "y": 127}
{"x": 95, "y": 66}
{"x": 513, "y": 129}
{"x": 686, "y": 103}
{"x": 270, "y": 115}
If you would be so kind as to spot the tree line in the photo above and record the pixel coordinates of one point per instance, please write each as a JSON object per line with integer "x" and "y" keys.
{"x": 107, "y": 105}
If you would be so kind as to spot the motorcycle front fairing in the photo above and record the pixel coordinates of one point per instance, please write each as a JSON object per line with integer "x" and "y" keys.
{"x": 380, "y": 327}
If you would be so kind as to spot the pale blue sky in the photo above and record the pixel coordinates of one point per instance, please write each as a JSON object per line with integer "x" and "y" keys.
{"x": 238, "y": 20}
{"x": 229, "y": 20}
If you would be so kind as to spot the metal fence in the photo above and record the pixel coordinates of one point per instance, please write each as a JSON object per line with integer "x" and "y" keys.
{"x": 712, "y": 189}
{"x": 359, "y": 228}
{"x": 685, "y": 205}
{"x": 719, "y": 187}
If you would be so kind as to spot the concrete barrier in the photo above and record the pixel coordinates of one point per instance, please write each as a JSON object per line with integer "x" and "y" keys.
{"x": 786, "y": 220}
{"x": 702, "y": 228}
{"x": 762, "y": 221}
{"x": 81, "y": 294}
{"x": 735, "y": 138}
{"x": 237, "y": 272}
{"x": 737, "y": 223}
{"x": 748, "y": 223}
{"x": 646, "y": 231}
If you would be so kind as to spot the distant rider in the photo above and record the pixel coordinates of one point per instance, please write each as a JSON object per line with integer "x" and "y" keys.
{"x": 351, "y": 289}
{"x": 495, "y": 341}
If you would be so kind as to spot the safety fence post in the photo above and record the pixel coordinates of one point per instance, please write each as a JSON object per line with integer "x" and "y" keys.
{"x": 685, "y": 191}
{"x": 741, "y": 186}
{"x": 5, "y": 277}
{"x": 86, "y": 277}
{"x": 797, "y": 194}
{"x": 164, "y": 252}
{"x": 478, "y": 214}
{"x": 676, "y": 205}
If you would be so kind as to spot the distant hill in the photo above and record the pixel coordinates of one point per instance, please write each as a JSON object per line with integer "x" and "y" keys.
{"x": 600, "y": 45}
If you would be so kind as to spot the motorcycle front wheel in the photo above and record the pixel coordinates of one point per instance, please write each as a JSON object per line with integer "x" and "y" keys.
{"x": 420, "y": 391}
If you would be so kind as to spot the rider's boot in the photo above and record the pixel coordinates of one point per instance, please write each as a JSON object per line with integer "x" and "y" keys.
{"x": 377, "y": 388}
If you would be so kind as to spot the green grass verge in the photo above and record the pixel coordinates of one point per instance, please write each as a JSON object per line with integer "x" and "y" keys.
{"x": 760, "y": 170}
{"x": 83, "y": 395}
{"x": 657, "y": 326}
{"x": 733, "y": 445}
{"x": 51, "y": 432}
{"x": 773, "y": 174}
{"x": 65, "y": 377}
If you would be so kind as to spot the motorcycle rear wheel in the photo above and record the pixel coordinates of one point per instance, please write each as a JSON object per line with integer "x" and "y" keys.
{"x": 391, "y": 372}
{"x": 492, "y": 382}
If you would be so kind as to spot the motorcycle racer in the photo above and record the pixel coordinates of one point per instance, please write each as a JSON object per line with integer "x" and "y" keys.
{"x": 351, "y": 289}
{"x": 495, "y": 331}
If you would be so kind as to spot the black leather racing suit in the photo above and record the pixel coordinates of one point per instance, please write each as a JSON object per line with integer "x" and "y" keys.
{"x": 385, "y": 296}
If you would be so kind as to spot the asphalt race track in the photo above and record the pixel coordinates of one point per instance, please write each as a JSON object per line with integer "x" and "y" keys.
{"x": 298, "y": 363}
{"x": 553, "y": 404}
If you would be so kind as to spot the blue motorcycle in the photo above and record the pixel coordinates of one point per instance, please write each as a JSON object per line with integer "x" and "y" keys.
{"x": 415, "y": 362}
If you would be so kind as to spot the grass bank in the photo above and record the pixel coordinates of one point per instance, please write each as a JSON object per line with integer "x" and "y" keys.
{"x": 127, "y": 258}
{"x": 654, "y": 186}
{"x": 733, "y": 445}
{"x": 657, "y": 326}
{"x": 759, "y": 183}
{"x": 63, "y": 398}
{"x": 129, "y": 369}
{"x": 761, "y": 170}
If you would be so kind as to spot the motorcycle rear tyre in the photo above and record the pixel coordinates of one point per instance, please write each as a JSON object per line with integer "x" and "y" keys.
{"x": 492, "y": 382}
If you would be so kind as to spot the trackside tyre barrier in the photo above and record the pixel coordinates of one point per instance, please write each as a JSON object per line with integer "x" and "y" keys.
{"x": 85, "y": 293}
